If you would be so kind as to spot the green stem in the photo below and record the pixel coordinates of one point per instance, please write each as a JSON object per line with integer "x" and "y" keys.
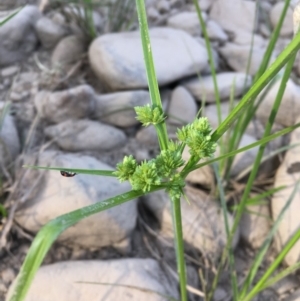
{"x": 151, "y": 74}
{"x": 179, "y": 246}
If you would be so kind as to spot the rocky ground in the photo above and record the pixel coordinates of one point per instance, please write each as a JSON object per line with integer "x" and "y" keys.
{"x": 67, "y": 101}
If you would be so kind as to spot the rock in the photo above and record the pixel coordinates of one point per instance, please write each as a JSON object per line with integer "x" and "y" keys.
{"x": 203, "y": 89}
{"x": 275, "y": 13}
{"x": 9, "y": 71}
{"x": 245, "y": 159}
{"x": 56, "y": 195}
{"x": 24, "y": 87}
{"x": 289, "y": 109}
{"x": 67, "y": 52}
{"x": 255, "y": 225}
{"x": 287, "y": 175}
{"x": 294, "y": 296}
{"x": 60, "y": 106}
{"x": 118, "y": 108}
{"x": 163, "y": 6}
{"x": 84, "y": 134}
{"x": 205, "y": 4}
{"x": 203, "y": 176}
{"x": 120, "y": 65}
{"x": 237, "y": 57}
{"x": 215, "y": 31}
{"x": 9, "y": 140}
{"x": 235, "y": 16}
{"x": 187, "y": 21}
{"x": 17, "y": 36}
{"x": 147, "y": 136}
{"x": 203, "y": 223}
{"x": 123, "y": 279}
{"x": 49, "y": 32}
{"x": 182, "y": 108}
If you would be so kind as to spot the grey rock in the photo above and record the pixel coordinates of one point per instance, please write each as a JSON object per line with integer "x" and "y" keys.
{"x": 68, "y": 51}
{"x": 287, "y": 175}
{"x": 49, "y": 32}
{"x": 255, "y": 224}
{"x": 228, "y": 15}
{"x": 60, "y": 106}
{"x": 17, "y": 36}
{"x": 9, "y": 71}
{"x": 215, "y": 31}
{"x": 120, "y": 64}
{"x": 202, "y": 220}
{"x": 237, "y": 57}
{"x": 182, "y": 108}
{"x": 203, "y": 88}
{"x": 56, "y": 195}
{"x": 118, "y": 108}
{"x": 187, "y": 21}
{"x": 289, "y": 110}
{"x": 131, "y": 279}
{"x": 275, "y": 13}
{"x": 83, "y": 134}
{"x": 147, "y": 136}
{"x": 9, "y": 140}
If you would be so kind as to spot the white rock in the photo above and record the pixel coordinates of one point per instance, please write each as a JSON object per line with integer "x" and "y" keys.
{"x": 287, "y": 175}
{"x": 17, "y": 36}
{"x": 203, "y": 223}
{"x": 203, "y": 88}
{"x": 182, "y": 108}
{"x": 68, "y": 51}
{"x": 237, "y": 57}
{"x": 187, "y": 21}
{"x": 56, "y": 195}
{"x": 289, "y": 109}
{"x": 235, "y": 16}
{"x": 275, "y": 13}
{"x": 60, "y": 106}
{"x": 49, "y": 32}
{"x": 118, "y": 108}
{"x": 84, "y": 134}
{"x": 255, "y": 225}
{"x": 122, "y": 279}
{"x": 215, "y": 31}
{"x": 120, "y": 64}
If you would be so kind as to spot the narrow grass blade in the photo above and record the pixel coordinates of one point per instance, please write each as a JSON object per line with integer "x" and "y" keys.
{"x": 233, "y": 277}
{"x": 266, "y": 276}
{"x": 151, "y": 75}
{"x": 106, "y": 173}
{"x": 254, "y": 171}
{"x": 2, "y": 22}
{"x": 250, "y": 96}
{"x": 49, "y": 233}
{"x": 179, "y": 247}
{"x": 210, "y": 59}
{"x": 243, "y": 149}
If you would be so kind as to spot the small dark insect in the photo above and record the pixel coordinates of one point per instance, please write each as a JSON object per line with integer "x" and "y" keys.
{"x": 67, "y": 174}
{"x": 295, "y": 167}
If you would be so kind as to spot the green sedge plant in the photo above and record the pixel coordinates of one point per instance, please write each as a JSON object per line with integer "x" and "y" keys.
{"x": 234, "y": 137}
{"x": 162, "y": 173}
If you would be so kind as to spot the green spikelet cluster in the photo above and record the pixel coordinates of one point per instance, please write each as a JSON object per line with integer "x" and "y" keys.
{"x": 197, "y": 136}
{"x": 149, "y": 115}
{"x": 163, "y": 170}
